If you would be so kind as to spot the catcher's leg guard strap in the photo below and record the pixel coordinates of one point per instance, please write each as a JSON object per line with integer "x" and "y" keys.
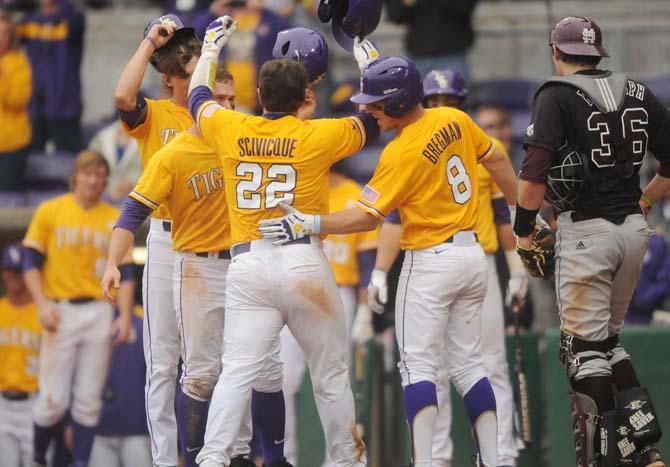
{"x": 585, "y": 427}
{"x": 584, "y": 359}
{"x": 616, "y": 352}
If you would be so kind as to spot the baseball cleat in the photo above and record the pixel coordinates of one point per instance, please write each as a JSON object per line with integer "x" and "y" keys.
{"x": 282, "y": 463}
{"x": 650, "y": 457}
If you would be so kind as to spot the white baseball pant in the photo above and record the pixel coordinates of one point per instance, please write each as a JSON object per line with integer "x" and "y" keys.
{"x": 121, "y": 451}
{"x": 161, "y": 344}
{"x": 293, "y": 360}
{"x": 300, "y": 292}
{"x": 16, "y": 432}
{"x": 495, "y": 362}
{"x": 73, "y": 364}
{"x": 199, "y": 298}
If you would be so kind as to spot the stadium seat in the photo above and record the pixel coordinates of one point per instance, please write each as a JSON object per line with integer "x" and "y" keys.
{"x": 11, "y": 199}
{"x": 660, "y": 85}
{"x": 511, "y": 94}
{"x": 35, "y": 197}
{"x": 49, "y": 171}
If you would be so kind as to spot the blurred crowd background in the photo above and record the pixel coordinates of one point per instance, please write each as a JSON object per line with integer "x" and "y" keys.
{"x": 60, "y": 59}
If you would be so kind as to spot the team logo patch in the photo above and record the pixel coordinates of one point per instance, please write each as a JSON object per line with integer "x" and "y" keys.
{"x": 389, "y": 91}
{"x": 530, "y": 130}
{"x": 640, "y": 419}
{"x": 370, "y": 194}
{"x": 442, "y": 81}
{"x": 15, "y": 254}
{"x": 580, "y": 246}
{"x": 636, "y": 405}
{"x": 589, "y": 36}
{"x": 623, "y": 430}
{"x": 167, "y": 21}
{"x": 626, "y": 447}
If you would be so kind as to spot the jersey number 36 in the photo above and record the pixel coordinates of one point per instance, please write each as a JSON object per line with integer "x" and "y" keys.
{"x": 281, "y": 184}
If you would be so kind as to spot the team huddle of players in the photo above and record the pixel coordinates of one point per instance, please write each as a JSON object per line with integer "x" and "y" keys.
{"x": 236, "y": 271}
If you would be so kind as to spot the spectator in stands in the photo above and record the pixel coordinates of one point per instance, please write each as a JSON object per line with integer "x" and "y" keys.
{"x": 54, "y": 37}
{"x": 123, "y": 157}
{"x": 654, "y": 284}
{"x": 438, "y": 33}
{"x": 15, "y": 90}
{"x": 495, "y": 121}
{"x": 249, "y": 47}
{"x": 20, "y": 332}
{"x": 185, "y": 9}
{"x": 122, "y": 439}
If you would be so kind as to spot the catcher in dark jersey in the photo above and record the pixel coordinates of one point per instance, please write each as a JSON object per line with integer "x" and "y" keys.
{"x": 590, "y": 130}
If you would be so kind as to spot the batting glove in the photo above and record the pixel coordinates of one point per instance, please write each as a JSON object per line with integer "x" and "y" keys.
{"x": 217, "y": 33}
{"x": 517, "y": 287}
{"x": 293, "y": 226}
{"x": 378, "y": 291}
{"x": 365, "y": 52}
{"x": 361, "y": 330}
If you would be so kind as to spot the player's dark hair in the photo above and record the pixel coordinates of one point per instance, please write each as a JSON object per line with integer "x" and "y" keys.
{"x": 173, "y": 58}
{"x": 281, "y": 85}
{"x": 582, "y": 60}
{"x": 6, "y": 17}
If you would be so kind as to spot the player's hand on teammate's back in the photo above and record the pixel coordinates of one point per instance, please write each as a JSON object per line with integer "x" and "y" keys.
{"x": 49, "y": 317}
{"x": 111, "y": 281}
{"x": 293, "y": 226}
{"x": 160, "y": 34}
{"x": 361, "y": 329}
{"x": 517, "y": 288}
{"x": 365, "y": 52}
{"x": 218, "y": 32}
{"x": 121, "y": 329}
{"x": 307, "y": 109}
{"x": 378, "y": 291}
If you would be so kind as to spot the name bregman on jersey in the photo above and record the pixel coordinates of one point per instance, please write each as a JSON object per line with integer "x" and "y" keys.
{"x": 266, "y": 147}
{"x": 441, "y": 140}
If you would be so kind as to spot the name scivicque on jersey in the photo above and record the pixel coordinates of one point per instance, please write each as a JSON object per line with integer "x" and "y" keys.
{"x": 266, "y": 147}
{"x": 441, "y": 140}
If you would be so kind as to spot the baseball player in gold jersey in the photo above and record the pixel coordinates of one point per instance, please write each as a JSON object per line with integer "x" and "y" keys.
{"x": 66, "y": 248}
{"x": 173, "y": 51}
{"x": 20, "y": 332}
{"x": 267, "y": 159}
{"x": 428, "y": 173}
{"x": 187, "y": 178}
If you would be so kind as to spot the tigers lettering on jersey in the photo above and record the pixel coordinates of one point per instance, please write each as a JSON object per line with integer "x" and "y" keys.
{"x": 187, "y": 177}
{"x": 342, "y": 250}
{"x": 74, "y": 241}
{"x": 164, "y": 121}
{"x": 271, "y": 159}
{"x": 20, "y": 334}
{"x": 436, "y": 196}
{"x": 485, "y": 226}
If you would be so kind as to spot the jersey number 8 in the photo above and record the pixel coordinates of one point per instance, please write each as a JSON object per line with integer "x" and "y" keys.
{"x": 282, "y": 183}
{"x": 457, "y": 175}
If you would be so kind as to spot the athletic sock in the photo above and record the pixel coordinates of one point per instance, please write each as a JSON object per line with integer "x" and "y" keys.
{"x": 269, "y": 411}
{"x": 480, "y": 404}
{"x": 42, "y": 436}
{"x": 191, "y": 423}
{"x": 82, "y": 443}
{"x": 421, "y": 410}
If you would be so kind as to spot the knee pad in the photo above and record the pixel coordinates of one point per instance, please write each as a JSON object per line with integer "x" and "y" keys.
{"x": 585, "y": 428}
{"x": 584, "y": 359}
{"x": 198, "y": 388}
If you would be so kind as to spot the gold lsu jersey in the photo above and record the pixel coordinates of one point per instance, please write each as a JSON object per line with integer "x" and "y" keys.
{"x": 163, "y": 122}
{"x": 488, "y": 191}
{"x": 428, "y": 172}
{"x": 186, "y": 175}
{"x": 20, "y": 332}
{"x": 342, "y": 250}
{"x": 267, "y": 160}
{"x": 74, "y": 241}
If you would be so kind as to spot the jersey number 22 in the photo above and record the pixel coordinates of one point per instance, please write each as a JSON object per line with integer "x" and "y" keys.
{"x": 282, "y": 179}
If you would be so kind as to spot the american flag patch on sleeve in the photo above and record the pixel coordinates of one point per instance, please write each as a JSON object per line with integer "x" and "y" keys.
{"x": 370, "y": 194}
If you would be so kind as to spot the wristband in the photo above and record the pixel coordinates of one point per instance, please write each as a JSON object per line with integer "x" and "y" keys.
{"x": 317, "y": 224}
{"x": 524, "y": 221}
{"x": 645, "y": 199}
{"x": 153, "y": 43}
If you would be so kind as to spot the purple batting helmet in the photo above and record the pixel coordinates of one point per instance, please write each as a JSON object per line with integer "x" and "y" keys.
{"x": 181, "y": 32}
{"x": 578, "y": 35}
{"x": 306, "y": 46}
{"x": 12, "y": 257}
{"x": 447, "y": 82}
{"x": 394, "y": 80}
{"x": 351, "y": 18}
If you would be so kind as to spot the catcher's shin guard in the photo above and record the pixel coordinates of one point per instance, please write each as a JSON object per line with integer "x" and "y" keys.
{"x": 635, "y": 405}
{"x": 585, "y": 428}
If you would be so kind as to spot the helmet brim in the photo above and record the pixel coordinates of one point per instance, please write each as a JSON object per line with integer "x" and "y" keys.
{"x": 363, "y": 98}
{"x": 342, "y": 38}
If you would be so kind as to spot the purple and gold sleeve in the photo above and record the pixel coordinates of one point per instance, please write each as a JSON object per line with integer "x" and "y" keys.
{"x": 133, "y": 215}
